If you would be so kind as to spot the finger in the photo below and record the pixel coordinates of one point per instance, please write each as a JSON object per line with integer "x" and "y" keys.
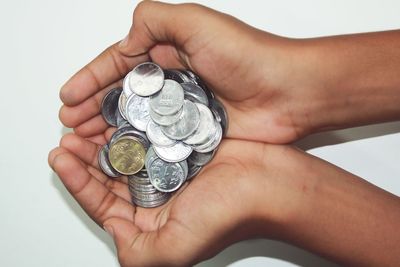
{"x": 167, "y": 56}
{"x": 152, "y": 24}
{"x": 88, "y": 152}
{"x": 76, "y": 115}
{"x": 54, "y": 153}
{"x": 94, "y": 197}
{"x": 110, "y": 66}
{"x": 93, "y": 126}
{"x": 85, "y": 150}
{"x": 99, "y": 139}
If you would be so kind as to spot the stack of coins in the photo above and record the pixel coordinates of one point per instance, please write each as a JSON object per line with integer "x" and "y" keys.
{"x": 169, "y": 127}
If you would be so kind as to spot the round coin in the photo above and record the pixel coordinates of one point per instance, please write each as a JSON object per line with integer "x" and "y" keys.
{"x": 194, "y": 93}
{"x": 193, "y": 171}
{"x": 187, "y": 123}
{"x": 200, "y": 159}
{"x": 214, "y": 141}
{"x": 166, "y": 176}
{"x": 122, "y": 104}
{"x": 176, "y": 76}
{"x": 146, "y": 79}
{"x": 206, "y": 126}
{"x": 165, "y": 120}
{"x": 157, "y": 137}
{"x": 105, "y": 164}
{"x": 220, "y": 114}
{"x": 125, "y": 86}
{"x": 137, "y": 111}
{"x": 128, "y": 130}
{"x": 175, "y": 153}
{"x": 127, "y": 155}
{"x": 169, "y": 100}
{"x": 109, "y": 106}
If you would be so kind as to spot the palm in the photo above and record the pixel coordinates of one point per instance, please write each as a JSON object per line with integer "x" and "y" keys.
{"x": 202, "y": 208}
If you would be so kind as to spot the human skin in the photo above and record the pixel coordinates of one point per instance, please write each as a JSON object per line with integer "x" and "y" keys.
{"x": 275, "y": 89}
{"x": 285, "y": 194}
{"x": 264, "y": 191}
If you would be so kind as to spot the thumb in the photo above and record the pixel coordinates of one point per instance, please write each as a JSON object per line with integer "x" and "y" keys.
{"x": 122, "y": 231}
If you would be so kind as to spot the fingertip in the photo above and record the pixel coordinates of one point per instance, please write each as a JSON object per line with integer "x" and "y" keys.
{"x": 65, "y": 118}
{"x": 71, "y": 171}
{"x": 68, "y": 140}
{"x": 53, "y": 154}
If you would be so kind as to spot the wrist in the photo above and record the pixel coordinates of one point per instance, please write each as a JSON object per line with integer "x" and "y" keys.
{"x": 350, "y": 80}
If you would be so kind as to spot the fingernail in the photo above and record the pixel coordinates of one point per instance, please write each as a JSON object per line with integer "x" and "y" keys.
{"x": 109, "y": 230}
{"x": 124, "y": 42}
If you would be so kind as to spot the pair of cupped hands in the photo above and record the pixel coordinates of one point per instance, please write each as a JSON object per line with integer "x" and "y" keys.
{"x": 272, "y": 94}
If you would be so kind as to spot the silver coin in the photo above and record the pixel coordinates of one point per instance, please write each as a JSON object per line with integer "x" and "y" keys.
{"x": 194, "y": 93}
{"x": 187, "y": 123}
{"x": 220, "y": 114}
{"x": 123, "y": 123}
{"x": 200, "y": 159}
{"x": 169, "y": 100}
{"x": 175, "y": 153}
{"x": 133, "y": 179}
{"x": 144, "y": 189}
{"x": 157, "y": 137}
{"x": 149, "y": 197}
{"x": 146, "y": 79}
{"x": 150, "y": 204}
{"x": 109, "y": 106}
{"x": 166, "y": 176}
{"x": 125, "y": 86}
{"x": 150, "y": 156}
{"x": 122, "y": 104}
{"x": 165, "y": 120}
{"x": 105, "y": 164}
{"x": 176, "y": 75}
{"x": 137, "y": 111}
{"x": 120, "y": 120}
{"x": 185, "y": 168}
{"x": 193, "y": 171}
{"x": 194, "y": 78}
{"x": 130, "y": 131}
{"x": 214, "y": 144}
{"x": 206, "y": 126}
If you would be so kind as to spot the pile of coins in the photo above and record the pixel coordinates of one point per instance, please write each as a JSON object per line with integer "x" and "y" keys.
{"x": 169, "y": 127}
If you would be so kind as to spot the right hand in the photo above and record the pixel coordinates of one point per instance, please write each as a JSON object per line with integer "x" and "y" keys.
{"x": 255, "y": 74}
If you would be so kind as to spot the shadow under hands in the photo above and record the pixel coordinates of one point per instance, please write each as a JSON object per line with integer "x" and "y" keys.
{"x": 347, "y": 135}
{"x": 267, "y": 248}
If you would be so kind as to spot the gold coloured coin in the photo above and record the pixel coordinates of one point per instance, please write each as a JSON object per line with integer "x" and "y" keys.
{"x": 127, "y": 155}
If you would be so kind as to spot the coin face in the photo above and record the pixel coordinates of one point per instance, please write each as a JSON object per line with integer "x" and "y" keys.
{"x": 137, "y": 111}
{"x": 105, "y": 164}
{"x": 166, "y": 176}
{"x": 157, "y": 137}
{"x": 194, "y": 93}
{"x": 169, "y": 100}
{"x": 146, "y": 79}
{"x": 175, "y": 153}
{"x": 109, "y": 106}
{"x": 127, "y": 155}
{"x": 187, "y": 123}
{"x": 206, "y": 126}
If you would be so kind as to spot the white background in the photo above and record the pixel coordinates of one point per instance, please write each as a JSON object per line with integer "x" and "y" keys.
{"x": 43, "y": 42}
